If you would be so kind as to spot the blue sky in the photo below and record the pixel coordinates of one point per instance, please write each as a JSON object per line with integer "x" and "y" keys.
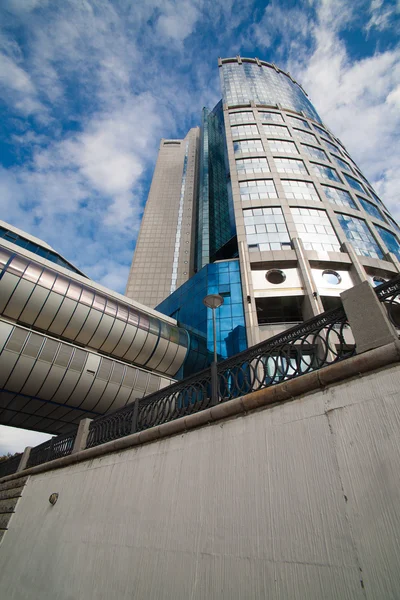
{"x": 88, "y": 88}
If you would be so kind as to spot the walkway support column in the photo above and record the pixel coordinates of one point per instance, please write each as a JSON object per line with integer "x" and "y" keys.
{"x": 81, "y": 435}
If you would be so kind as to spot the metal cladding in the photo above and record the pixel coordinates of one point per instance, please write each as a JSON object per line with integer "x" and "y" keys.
{"x": 55, "y": 329}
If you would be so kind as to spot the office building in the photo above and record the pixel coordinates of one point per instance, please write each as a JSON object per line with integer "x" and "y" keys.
{"x": 279, "y": 194}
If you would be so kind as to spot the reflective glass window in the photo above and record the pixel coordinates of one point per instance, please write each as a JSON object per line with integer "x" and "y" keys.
{"x": 300, "y": 190}
{"x": 321, "y": 131}
{"x": 392, "y": 222}
{"x": 276, "y": 130}
{"x": 356, "y": 185}
{"x": 297, "y": 122}
{"x": 268, "y": 116}
{"x": 314, "y": 152}
{"x": 245, "y": 116}
{"x": 331, "y": 146}
{"x": 342, "y": 164}
{"x": 390, "y": 240}
{"x": 247, "y": 146}
{"x": 371, "y": 209}
{"x": 305, "y": 136}
{"x": 360, "y": 236}
{"x": 244, "y": 130}
{"x": 290, "y": 165}
{"x": 375, "y": 197}
{"x": 252, "y": 165}
{"x": 339, "y": 197}
{"x": 315, "y": 230}
{"x": 257, "y": 189}
{"x": 279, "y": 146}
{"x": 266, "y": 228}
{"x": 324, "y": 172}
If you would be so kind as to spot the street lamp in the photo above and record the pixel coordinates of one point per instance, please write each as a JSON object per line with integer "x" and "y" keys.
{"x": 214, "y": 301}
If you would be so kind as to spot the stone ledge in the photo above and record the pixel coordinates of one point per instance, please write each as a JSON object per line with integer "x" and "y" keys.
{"x": 282, "y": 392}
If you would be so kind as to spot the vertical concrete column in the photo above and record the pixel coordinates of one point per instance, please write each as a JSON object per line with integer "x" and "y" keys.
{"x": 24, "y": 459}
{"x": 312, "y": 302}
{"x": 367, "y": 316}
{"x": 357, "y": 271}
{"x": 393, "y": 259}
{"x": 81, "y": 435}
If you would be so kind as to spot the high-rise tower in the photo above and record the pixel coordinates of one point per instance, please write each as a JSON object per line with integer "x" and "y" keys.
{"x": 164, "y": 254}
{"x": 279, "y": 195}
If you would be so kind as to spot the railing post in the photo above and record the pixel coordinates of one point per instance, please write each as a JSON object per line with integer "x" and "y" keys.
{"x": 135, "y": 416}
{"x": 81, "y": 436}
{"x": 24, "y": 459}
{"x": 214, "y": 384}
{"x": 367, "y": 317}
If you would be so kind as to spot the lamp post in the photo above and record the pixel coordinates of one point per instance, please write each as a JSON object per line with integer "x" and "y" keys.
{"x": 214, "y": 301}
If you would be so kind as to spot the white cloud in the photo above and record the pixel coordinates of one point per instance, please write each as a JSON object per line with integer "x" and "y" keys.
{"x": 178, "y": 20}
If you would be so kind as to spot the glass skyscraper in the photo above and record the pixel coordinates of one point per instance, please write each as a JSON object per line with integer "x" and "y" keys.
{"x": 278, "y": 194}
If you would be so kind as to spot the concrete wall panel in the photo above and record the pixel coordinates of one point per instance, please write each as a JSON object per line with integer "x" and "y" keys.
{"x": 298, "y": 501}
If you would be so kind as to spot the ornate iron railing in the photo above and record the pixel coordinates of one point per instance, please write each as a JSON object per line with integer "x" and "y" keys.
{"x": 312, "y": 345}
{"x": 389, "y": 294}
{"x": 10, "y": 466}
{"x": 54, "y": 448}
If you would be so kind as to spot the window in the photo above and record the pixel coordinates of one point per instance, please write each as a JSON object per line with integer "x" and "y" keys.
{"x": 241, "y": 117}
{"x": 370, "y": 208}
{"x": 248, "y": 146}
{"x": 356, "y": 185}
{"x": 290, "y": 165}
{"x": 325, "y": 172}
{"x": 390, "y": 240}
{"x": 252, "y": 165}
{"x": 299, "y": 122}
{"x": 275, "y": 276}
{"x": 342, "y": 164}
{"x": 267, "y": 116}
{"x": 266, "y": 228}
{"x": 257, "y": 189}
{"x": 299, "y": 190}
{"x": 331, "y": 277}
{"x": 276, "y": 130}
{"x": 306, "y": 137}
{"x": 279, "y": 146}
{"x": 360, "y": 236}
{"x": 331, "y": 146}
{"x": 244, "y": 130}
{"x": 339, "y": 197}
{"x": 314, "y": 152}
{"x": 315, "y": 230}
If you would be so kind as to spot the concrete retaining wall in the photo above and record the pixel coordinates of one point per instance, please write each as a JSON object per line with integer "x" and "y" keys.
{"x": 297, "y": 500}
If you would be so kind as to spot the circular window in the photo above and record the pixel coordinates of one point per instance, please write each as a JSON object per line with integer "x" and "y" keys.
{"x": 275, "y": 276}
{"x": 331, "y": 277}
{"x": 378, "y": 280}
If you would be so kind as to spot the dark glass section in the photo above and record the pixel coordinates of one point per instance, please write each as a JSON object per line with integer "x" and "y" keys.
{"x": 19, "y": 240}
{"x": 186, "y": 305}
{"x": 285, "y": 309}
{"x": 216, "y": 224}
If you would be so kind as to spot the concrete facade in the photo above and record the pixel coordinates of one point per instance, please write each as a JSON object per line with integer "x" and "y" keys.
{"x": 163, "y": 257}
{"x": 296, "y": 500}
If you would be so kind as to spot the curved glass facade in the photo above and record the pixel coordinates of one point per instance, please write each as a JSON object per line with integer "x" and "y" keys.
{"x": 256, "y": 81}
